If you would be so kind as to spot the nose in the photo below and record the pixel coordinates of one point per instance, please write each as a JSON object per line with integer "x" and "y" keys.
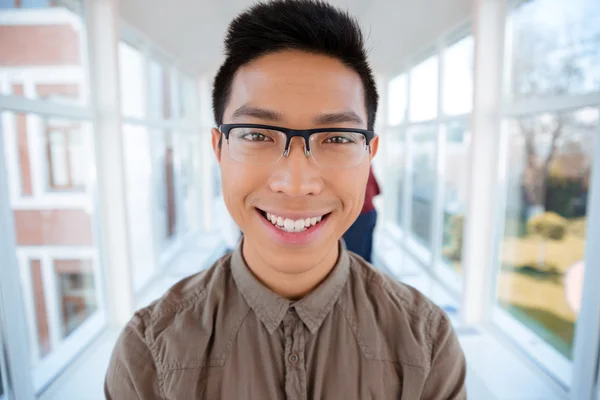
{"x": 296, "y": 175}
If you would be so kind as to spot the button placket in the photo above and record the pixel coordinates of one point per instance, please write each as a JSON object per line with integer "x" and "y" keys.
{"x": 295, "y": 382}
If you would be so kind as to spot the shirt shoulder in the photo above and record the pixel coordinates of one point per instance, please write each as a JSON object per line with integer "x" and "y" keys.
{"x": 189, "y": 314}
{"x": 406, "y": 322}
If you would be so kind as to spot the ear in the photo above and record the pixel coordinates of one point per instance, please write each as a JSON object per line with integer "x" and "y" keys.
{"x": 374, "y": 145}
{"x": 215, "y": 137}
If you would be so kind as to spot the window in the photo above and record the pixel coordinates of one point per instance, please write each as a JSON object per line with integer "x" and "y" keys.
{"x": 188, "y": 212}
{"x": 53, "y": 53}
{"x": 160, "y": 91}
{"x": 458, "y": 77}
{"x": 132, "y": 81}
{"x": 396, "y": 170}
{"x": 397, "y": 101}
{"x": 25, "y": 3}
{"x": 555, "y": 48}
{"x": 55, "y": 236}
{"x": 423, "y": 160}
{"x": 1, "y": 383}
{"x": 77, "y": 298}
{"x": 456, "y": 171}
{"x": 167, "y": 196}
{"x": 542, "y": 259}
{"x": 138, "y": 173}
{"x": 424, "y": 90}
{"x": 67, "y": 156}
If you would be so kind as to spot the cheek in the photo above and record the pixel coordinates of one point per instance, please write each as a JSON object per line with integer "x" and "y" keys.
{"x": 350, "y": 189}
{"x": 238, "y": 182}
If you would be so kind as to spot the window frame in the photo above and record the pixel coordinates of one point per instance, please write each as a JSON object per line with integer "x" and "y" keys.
{"x": 431, "y": 257}
{"x": 567, "y": 375}
{"x": 159, "y": 127}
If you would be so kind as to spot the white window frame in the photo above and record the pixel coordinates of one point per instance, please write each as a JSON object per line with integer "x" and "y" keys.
{"x": 38, "y": 374}
{"x": 481, "y": 302}
{"x": 429, "y": 257}
{"x": 567, "y": 374}
{"x": 176, "y": 124}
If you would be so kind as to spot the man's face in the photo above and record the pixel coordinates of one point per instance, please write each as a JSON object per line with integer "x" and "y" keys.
{"x": 292, "y": 89}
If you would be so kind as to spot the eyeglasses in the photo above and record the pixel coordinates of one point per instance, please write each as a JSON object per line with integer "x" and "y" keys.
{"x": 265, "y": 145}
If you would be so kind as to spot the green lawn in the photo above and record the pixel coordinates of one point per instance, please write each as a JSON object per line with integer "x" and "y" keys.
{"x": 533, "y": 293}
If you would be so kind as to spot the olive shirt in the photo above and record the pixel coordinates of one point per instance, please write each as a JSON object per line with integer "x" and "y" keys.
{"x": 221, "y": 334}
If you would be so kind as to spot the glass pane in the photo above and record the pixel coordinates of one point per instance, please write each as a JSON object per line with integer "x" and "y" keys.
{"x": 49, "y": 164}
{"x": 156, "y": 94}
{"x": 424, "y": 90}
{"x": 555, "y": 48}
{"x": 1, "y": 381}
{"x": 396, "y": 140}
{"x": 455, "y": 193}
{"x": 423, "y": 181}
{"x": 458, "y": 77}
{"x": 542, "y": 259}
{"x": 132, "y": 80}
{"x": 44, "y": 60}
{"x": 397, "y": 100}
{"x": 138, "y": 175}
{"x": 186, "y": 147}
{"x": 166, "y": 188}
{"x": 189, "y": 98}
{"x": 67, "y": 155}
{"x": 160, "y": 91}
{"x": 76, "y": 292}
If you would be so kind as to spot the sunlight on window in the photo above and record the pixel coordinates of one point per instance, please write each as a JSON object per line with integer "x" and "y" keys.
{"x": 424, "y": 90}
{"x": 555, "y": 48}
{"x": 397, "y": 100}
{"x": 133, "y": 95}
{"x": 458, "y": 78}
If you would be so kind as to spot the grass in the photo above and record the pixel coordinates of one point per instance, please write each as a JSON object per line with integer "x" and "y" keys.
{"x": 534, "y": 294}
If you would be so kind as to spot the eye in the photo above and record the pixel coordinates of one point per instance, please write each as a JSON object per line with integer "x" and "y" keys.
{"x": 255, "y": 137}
{"x": 340, "y": 139}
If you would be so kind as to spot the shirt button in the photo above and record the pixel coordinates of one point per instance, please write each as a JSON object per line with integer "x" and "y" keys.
{"x": 293, "y": 358}
{"x": 292, "y": 309}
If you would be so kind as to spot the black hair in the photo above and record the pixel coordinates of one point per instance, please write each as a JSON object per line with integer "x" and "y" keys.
{"x": 313, "y": 26}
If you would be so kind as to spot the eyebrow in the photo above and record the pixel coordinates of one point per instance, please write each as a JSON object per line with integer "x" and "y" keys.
{"x": 337, "y": 118}
{"x": 320, "y": 119}
{"x": 259, "y": 113}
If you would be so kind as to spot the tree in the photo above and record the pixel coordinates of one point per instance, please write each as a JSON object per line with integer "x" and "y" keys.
{"x": 550, "y": 58}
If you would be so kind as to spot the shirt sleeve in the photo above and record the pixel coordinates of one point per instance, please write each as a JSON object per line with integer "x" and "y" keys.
{"x": 446, "y": 380}
{"x": 132, "y": 372}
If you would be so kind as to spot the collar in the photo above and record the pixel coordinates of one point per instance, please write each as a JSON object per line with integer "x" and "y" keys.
{"x": 271, "y": 308}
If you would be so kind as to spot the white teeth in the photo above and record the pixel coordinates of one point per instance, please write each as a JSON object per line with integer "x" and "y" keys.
{"x": 298, "y": 225}
{"x": 290, "y": 225}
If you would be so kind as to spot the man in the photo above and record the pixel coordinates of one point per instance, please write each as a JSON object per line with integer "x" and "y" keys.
{"x": 290, "y": 314}
{"x": 359, "y": 237}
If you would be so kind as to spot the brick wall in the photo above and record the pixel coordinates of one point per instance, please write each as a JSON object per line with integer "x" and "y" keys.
{"x": 28, "y": 45}
{"x": 53, "y": 228}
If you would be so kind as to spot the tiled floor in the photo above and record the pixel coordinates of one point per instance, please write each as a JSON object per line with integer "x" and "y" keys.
{"x": 493, "y": 372}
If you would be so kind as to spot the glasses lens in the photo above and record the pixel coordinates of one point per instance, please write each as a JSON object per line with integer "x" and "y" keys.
{"x": 256, "y": 146}
{"x": 338, "y": 149}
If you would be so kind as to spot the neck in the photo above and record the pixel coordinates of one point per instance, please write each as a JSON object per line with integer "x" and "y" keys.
{"x": 291, "y": 285}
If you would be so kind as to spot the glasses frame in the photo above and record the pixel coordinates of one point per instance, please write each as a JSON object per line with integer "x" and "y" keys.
{"x": 225, "y": 129}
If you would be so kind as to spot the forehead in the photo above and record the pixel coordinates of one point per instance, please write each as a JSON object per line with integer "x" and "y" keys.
{"x": 298, "y": 86}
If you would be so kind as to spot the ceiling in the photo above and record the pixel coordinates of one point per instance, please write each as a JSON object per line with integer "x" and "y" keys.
{"x": 193, "y": 30}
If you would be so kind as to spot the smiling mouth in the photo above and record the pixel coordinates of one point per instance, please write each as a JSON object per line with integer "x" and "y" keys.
{"x": 293, "y": 225}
